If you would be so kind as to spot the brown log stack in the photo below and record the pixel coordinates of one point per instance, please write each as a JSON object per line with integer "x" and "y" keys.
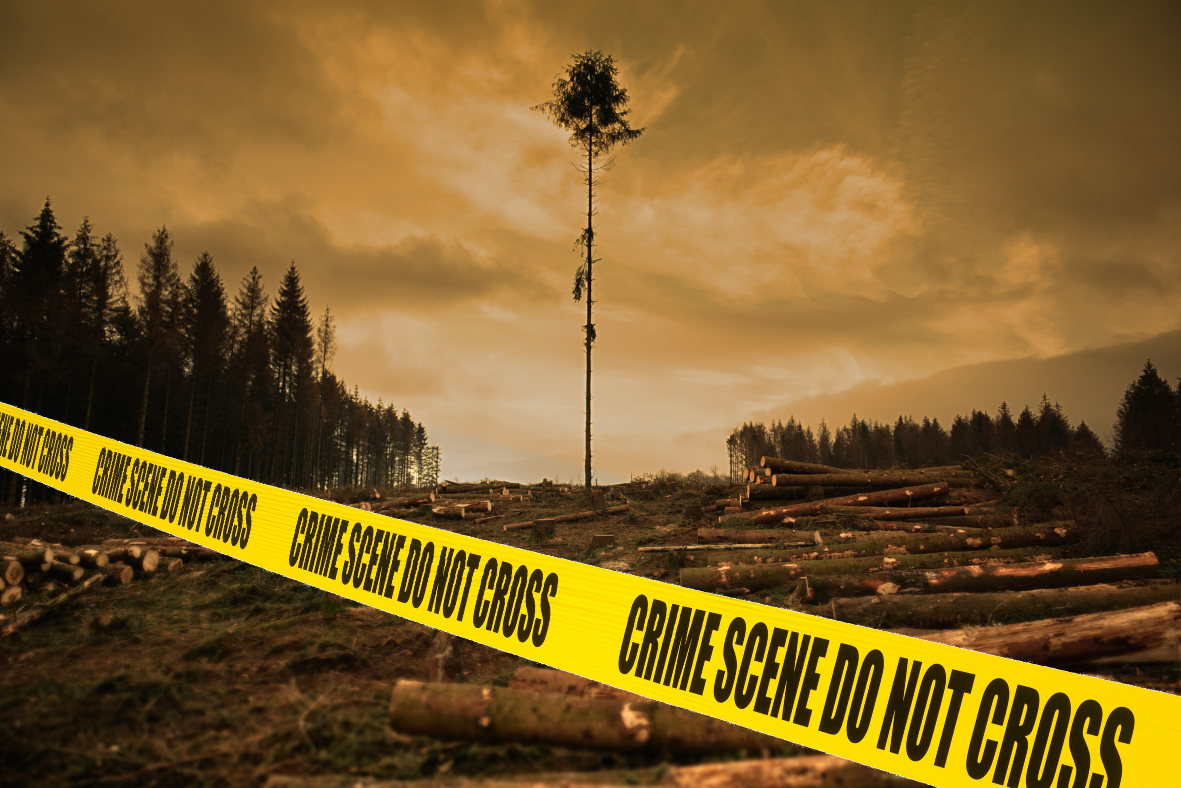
{"x": 882, "y": 498}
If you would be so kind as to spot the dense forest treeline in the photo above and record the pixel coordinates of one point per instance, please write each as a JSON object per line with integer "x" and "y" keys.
{"x": 1148, "y": 420}
{"x": 242, "y": 385}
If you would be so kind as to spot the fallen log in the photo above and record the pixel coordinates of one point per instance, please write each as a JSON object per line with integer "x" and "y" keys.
{"x": 39, "y": 612}
{"x": 449, "y": 512}
{"x": 882, "y": 498}
{"x": 11, "y": 595}
{"x": 765, "y": 556}
{"x": 1137, "y": 635}
{"x": 684, "y": 548}
{"x": 116, "y": 574}
{"x": 149, "y": 560}
{"x": 775, "y": 465}
{"x": 977, "y": 520}
{"x": 567, "y": 518}
{"x": 887, "y": 513}
{"x": 62, "y": 569}
{"x": 482, "y": 520}
{"x": 191, "y": 553}
{"x": 1043, "y": 535}
{"x": 754, "y": 577}
{"x": 824, "y": 535}
{"x": 945, "y": 611}
{"x": 14, "y": 572}
{"x": 128, "y": 552}
{"x": 765, "y": 492}
{"x": 464, "y": 712}
{"x": 26, "y": 554}
{"x": 92, "y": 557}
{"x": 150, "y": 541}
{"x": 406, "y": 503}
{"x": 864, "y": 480}
{"x": 1060, "y": 573}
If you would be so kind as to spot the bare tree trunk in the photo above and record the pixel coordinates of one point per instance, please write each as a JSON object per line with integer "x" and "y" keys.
{"x": 143, "y": 408}
{"x": 167, "y": 392}
{"x": 590, "y": 326}
{"x": 189, "y": 418}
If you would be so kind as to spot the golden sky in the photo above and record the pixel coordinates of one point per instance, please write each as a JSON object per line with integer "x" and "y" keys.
{"x": 880, "y": 207}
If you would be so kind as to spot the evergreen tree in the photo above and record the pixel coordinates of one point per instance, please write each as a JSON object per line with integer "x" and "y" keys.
{"x": 105, "y": 297}
{"x": 1005, "y": 430}
{"x": 291, "y": 351}
{"x": 1053, "y": 428}
{"x": 1085, "y": 442}
{"x": 35, "y": 287}
{"x": 206, "y": 335}
{"x": 250, "y": 365}
{"x": 1147, "y": 417}
{"x": 158, "y": 314}
{"x": 589, "y": 103}
{"x": 1028, "y": 444}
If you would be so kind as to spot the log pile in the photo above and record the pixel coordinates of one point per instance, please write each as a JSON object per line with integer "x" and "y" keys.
{"x": 30, "y": 566}
{"x": 876, "y": 559}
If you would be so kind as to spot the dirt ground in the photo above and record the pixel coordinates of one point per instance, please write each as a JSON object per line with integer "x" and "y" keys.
{"x": 223, "y": 673}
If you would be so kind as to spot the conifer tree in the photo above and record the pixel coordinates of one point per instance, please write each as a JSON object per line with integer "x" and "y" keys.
{"x": 1147, "y": 416}
{"x": 206, "y": 334}
{"x": 158, "y": 313}
{"x": 589, "y": 103}
{"x": 35, "y": 286}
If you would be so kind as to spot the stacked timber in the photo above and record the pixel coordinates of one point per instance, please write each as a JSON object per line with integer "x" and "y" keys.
{"x": 30, "y": 566}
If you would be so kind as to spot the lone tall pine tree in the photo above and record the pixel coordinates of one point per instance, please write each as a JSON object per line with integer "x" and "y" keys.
{"x": 589, "y": 103}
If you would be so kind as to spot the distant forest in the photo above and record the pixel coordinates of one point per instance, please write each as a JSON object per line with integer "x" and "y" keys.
{"x": 242, "y": 385}
{"x": 1148, "y": 420}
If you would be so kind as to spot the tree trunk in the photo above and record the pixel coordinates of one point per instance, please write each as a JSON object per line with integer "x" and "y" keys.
{"x": 945, "y": 611}
{"x": 143, "y": 409}
{"x": 756, "y": 576}
{"x": 913, "y": 513}
{"x": 189, "y": 417}
{"x": 27, "y": 554}
{"x": 1044, "y": 535}
{"x": 882, "y": 498}
{"x": 465, "y": 712}
{"x": 863, "y": 480}
{"x": 449, "y": 512}
{"x": 118, "y": 574}
{"x": 824, "y": 535}
{"x": 995, "y": 577}
{"x": 13, "y": 573}
{"x": 149, "y": 560}
{"x": 872, "y": 563}
{"x": 1138, "y": 635}
{"x": 590, "y": 326}
{"x": 772, "y": 465}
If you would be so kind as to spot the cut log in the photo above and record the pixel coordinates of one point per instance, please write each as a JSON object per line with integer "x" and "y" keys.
{"x": 116, "y": 574}
{"x": 1137, "y": 635}
{"x": 765, "y": 556}
{"x": 776, "y": 465}
{"x": 92, "y": 557}
{"x": 755, "y": 577}
{"x": 482, "y": 520}
{"x": 566, "y": 518}
{"x": 684, "y": 548}
{"x": 945, "y": 611}
{"x": 483, "y": 507}
{"x": 887, "y": 513}
{"x": 62, "y": 569}
{"x": 864, "y": 480}
{"x": 825, "y": 535}
{"x": 406, "y": 503}
{"x": 856, "y": 525}
{"x": 765, "y": 492}
{"x": 1059, "y": 573}
{"x": 882, "y": 498}
{"x": 977, "y": 520}
{"x": 1044, "y": 535}
{"x": 149, "y": 560}
{"x": 154, "y": 541}
{"x": 466, "y": 712}
{"x": 193, "y": 553}
{"x": 58, "y": 601}
{"x": 129, "y": 552}
{"x": 26, "y": 554}
{"x": 172, "y": 564}
{"x": 599, "y": 541}
{"x": 449, "y": 512}
{"x": 11, "y": 595}
{"x": 14, "y": 572}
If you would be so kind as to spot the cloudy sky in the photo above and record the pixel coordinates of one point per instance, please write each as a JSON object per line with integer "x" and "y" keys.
{"x": 903, "y": 207}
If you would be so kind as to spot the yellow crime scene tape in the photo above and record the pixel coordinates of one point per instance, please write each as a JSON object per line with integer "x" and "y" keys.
{"x": 927, "y": 711}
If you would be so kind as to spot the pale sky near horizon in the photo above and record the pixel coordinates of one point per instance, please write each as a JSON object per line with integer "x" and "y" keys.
{"x": 835, "y": 207}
